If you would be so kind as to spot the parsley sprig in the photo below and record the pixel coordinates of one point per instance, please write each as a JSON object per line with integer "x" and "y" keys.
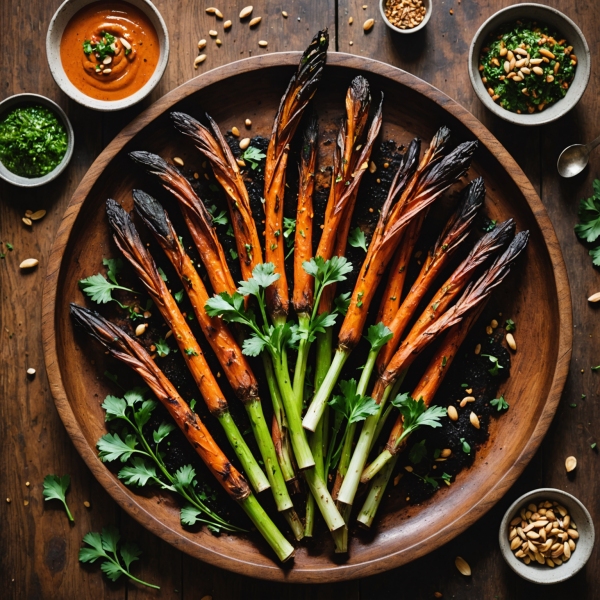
{"x": 55, "y": 488}
{"x": 144, "y": 466}
{"x": 357, "y": 239}
{"x": 416, "y": 414}
{"x": 253, "y": 156}
{"x": 500, "y": 403}
{"x": 105, "y": 546}
{"x": 100, "y": 289}
{"x": 588, "y": 228}
{"x": 495, "y": 370}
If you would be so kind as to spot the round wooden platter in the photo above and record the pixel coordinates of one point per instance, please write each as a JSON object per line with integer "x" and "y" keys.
{"x": 537, "y": 291}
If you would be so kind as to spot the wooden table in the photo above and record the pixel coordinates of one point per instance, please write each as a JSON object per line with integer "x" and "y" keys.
{"x": 38, "y": 547}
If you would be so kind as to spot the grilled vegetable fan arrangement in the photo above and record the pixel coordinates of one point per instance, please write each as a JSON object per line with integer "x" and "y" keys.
{"x": 312, "y": 455}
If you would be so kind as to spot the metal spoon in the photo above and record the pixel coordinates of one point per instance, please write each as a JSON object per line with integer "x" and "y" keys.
{"x": 574, "y": 159}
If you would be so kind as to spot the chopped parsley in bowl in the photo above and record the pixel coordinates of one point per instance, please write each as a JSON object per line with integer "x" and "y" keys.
{"x": 526, "y": 67}
{"x": 33, "y": 141}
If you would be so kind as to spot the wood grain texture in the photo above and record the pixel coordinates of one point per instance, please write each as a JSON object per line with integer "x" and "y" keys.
{"x": 33, "y": 441}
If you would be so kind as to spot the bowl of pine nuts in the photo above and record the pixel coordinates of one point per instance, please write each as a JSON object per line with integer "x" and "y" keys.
{"x": 546, "y": 536}
{"x": 406, "y": 16}
{"x": 529, "y": 64}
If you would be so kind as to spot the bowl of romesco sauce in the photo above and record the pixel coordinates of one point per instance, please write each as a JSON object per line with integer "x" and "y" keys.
{"x": 107, "y": 55}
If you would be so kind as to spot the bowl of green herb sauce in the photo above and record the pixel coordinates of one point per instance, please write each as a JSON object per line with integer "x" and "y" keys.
{"x": 529, "y": 64}
{"x": 36, "y": 140}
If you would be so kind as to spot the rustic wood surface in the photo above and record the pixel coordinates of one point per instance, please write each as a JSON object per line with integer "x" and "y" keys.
{"x": 39, "y": 548}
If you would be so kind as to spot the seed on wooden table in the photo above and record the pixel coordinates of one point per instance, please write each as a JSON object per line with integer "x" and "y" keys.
{"x": 248, "y": 123}
{"x": 211, "y": 10}
{"x": 592, "y": 298}
{"x": 201, "y": 44}
{"x": 244, "y": 143}
{"x": 368, "y": 24}
{"x": 235, "y": 131}
{"x": 86, "y": 504}
{"x": 263, "y": 43}
{"x": 255, "y": 21}
{"x": 570, "y": 465}
{"x": 452, "y": 414}
{"x": 29, "y": 263}
{"x": 510, "y": 340}
{"x": 212, "y": 33}
{"x": 284, "y": 14}
{"x": 463, "y": 566}
{"x": 218, "y": 13}
{"x": 246, "y": 12}
{"x": 27, "y": 221}
{"x": 139, "y": 330}
{"x": 350, "y": 21}
{"x": 178, "y": 161}
{"x": 474, "y": 420}
{"x": 218, "y": 42}
{"x": 227, "y": 25}
{"x": 31, "y": 371}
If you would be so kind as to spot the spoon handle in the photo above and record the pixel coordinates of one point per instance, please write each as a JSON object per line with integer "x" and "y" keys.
{"x": 593, "y": 144}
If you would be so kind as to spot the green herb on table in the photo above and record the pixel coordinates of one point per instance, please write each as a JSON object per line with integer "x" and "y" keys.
{"x": 220, "y": 218}
{"x": 588, "y": 228}
{"x": 500, "y": 403}
{"x": 162, "y": 348}
{"x": 105, "y": 546}
{"x": 33, "y": 141}
{"x": 416, "y": 414}
{"x": 55, "y": 488}
{"x": 510, "y": 325}
{"x": 289, "y": 228}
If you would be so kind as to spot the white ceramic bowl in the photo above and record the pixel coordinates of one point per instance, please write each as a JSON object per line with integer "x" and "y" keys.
{"x": 55, "y": 31}
{"x": 19, "y": 100}
{"x": 566, "y": 28}
{"x": 428, "y": 4}
{"x": 543, "y": 574}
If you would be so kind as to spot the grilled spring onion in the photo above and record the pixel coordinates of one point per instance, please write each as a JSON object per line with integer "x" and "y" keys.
{"x": 227, "y": 173}
{"x": 301, "y": 89}
{"x": 455, "y": 232}
{"x": 126, "y": 349}
{"x": 128, "y": 241}
{"x": 234, "y": 363}
{"x": 419, "y": 338}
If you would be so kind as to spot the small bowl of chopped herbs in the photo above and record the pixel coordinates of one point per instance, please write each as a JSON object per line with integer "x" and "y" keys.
{"x": 36, "y": 140}
{"x": 529, "y": 64}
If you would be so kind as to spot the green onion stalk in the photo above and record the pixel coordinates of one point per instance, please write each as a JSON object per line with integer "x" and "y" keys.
{"x": 375, "y": 495}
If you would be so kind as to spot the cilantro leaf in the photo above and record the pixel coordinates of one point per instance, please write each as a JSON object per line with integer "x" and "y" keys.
{"x": 416, "y": 414}
{"x": 353, "y": 406}
{"x": 99, "y": 289}
{"x": 55, "y": 488}
{"x": 221, "y": 218}
{"x": 96, "y": 551}
{"x": 500, "y": 403}
{"x": 589, "y": 216}
{"x": 163, "y": 431}
{"x": 162, "y": 275}
{"x": 253, "y": 156}
{"x": 466, "y": 448}
{"x": 253, "y": 345}
{"x": 142, "y": 416}
{"x": 231, "y": 308}
{"x": 110, "y": 538}
{"x": 189, "y": 515}
{"x": 263, "y": 275}
{"x": 595, "y": 254}
{"x": 510, "y": 325}
{"x": 114, "y": 407}
{"x": 184, "y": 478}
{"x": 139, "y": 472}
{"x": 162, "y": 348}
{"x": 114, "y": 268}
{"x": 327, "y": 272}
{"x": 342, "y": 302}
{"x": 130, "y": 552}
{"x": 178, "y": 296}
{"x": 357, "y": 239}
{"x": 112, "y": 447}
{"x": 417, "y": 453}
{"x": 378, "y": 335}
{"x": 233, "y": 253}
{"x": 135, "y": 395}
{"x": 495, "y": 370}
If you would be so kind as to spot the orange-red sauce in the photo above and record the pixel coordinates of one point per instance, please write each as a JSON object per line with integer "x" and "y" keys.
{"x": 129, "y": 69}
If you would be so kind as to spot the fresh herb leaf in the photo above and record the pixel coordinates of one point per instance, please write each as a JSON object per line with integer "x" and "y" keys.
{"x": 500, "y": 403}
{"x": 416, "y": 414}
{"x": 588, "y": 228}
{"x": 162, "y": 432}
{"x": 115, "y": 265}
{"x": 357, "y": 239}
{"x": 178, "y": 296}
{"x": 55, "y": 488}
{"x": 162, "y": 275}
{"x": 105, "y": 545}
{"x": 253, "y": 156}
{"x": 510, "y": 325}
{"x": 378, "y": 335}
{"x": 465, "y": 446}
{"x": 593, "y": 445}
{"x": 162, "y": 348}
{"x": 99, "y": 289}
{"x": 233, "y": 253}
{"x": 112, "y": 447}
{"x": 221, "y": 218}
{"x": 193, "y": 404}
{"x": 595, "y": 254}
{"x": 417, "y": 453}
{"x": 595, "y": 368}
{"x": 495, "y": 370}
{"x": 353, "y": 406}
{"x": 139, "y": 472}
{"x": 327, "y": 272}
{"x": 342, "y": 302}
{"x": 191, "y": 352}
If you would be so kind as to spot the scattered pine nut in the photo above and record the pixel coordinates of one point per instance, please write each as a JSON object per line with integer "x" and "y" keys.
{"x": 255, "y": 21}
{"x": 8, "y": 500}
{"x": 489, "y": 330}
{"x": 474, "y": 420}
{"x": 28, "y": 484}
{"x": 350, "y": 21}
{"x": 446, "y": 453}
{"x": 478, "y": 349}
{"x": 248, "y": 123}
{"x": 368, "y": 24}
{"x": 510, "y": 340}
{"x": 27, "y": 221}
{"x": 86, "y": 504}
{"x": 196, "y": 176}
{"x": 570, "y": 464}
{"x": 284, "y": 14}
{"x": 212, "y": 33}
{"x": 372, "y": 167}
{"x": 210, "y": 10}
{"x": 29, "y": 263}
{"x": 37, "y": 215}
{"x": 463, "y": 566}
{"x": 178, "y": 161}
{"x": 494, "y": 323}
{"x": 28, "y": 213}
{"x": 227, "y": 25}
{"x": 235, "y": 131}
{"x": 452, "y": 413}
{"x": 169, "y": 334}
{"x": 594, "y": 297}
{"x": 240, "y": 162}
{"x": 140, "y": 329}
{"x": 244, "y": 143}
{"x": 199, "y": 59}
{"x": 263, "y": 43}
{"x": 218, "y": 42}
{"x": 201, "y": 44}
{"x": 31, "y": 371}
{"x": 246, "y": 12}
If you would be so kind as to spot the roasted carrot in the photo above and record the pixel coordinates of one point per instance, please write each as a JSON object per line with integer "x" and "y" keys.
{"x": 304, "y": 284}
{"x": 227, "y": 172}
{"x": 455, "y": 232}
{"x": 300, "y": 90}
{"x": 197, "y": 218}
{"x": 128, "y": 241}
{"x": 132, "y": 353}
{"x": 473, "y": 297}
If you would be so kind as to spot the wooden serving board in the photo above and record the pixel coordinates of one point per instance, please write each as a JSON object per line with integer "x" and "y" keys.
{"x": 537, "y": 291}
